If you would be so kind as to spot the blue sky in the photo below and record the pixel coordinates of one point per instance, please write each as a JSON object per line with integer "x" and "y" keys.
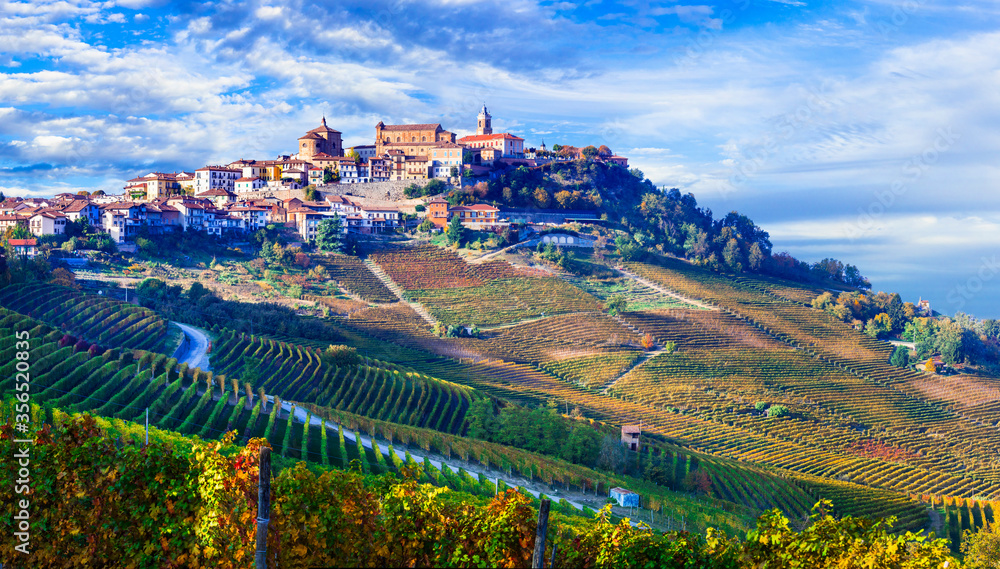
{"x": 866, "y": 131}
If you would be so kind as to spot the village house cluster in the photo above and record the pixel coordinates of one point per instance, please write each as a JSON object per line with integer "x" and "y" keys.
{"x": 241, "y": 196}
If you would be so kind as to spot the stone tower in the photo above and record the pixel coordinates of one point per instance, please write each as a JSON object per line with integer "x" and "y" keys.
{"x": 484, "y": 125}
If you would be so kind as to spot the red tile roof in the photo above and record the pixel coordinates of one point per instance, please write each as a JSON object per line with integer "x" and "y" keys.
{"x": 23, "y": 242}
{"x": 475, "y": 207}
{"x": 404, "y": 127}
{"x": 484, "y": 137}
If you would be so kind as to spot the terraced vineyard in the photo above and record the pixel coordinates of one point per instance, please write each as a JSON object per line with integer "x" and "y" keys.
{"x": 90, "y": 317}
{"x": 639, "y": 296}
{"x": 593, "y": 371}
{"x": 352, "y": 274}
{"x": 297, "y": 373}
{"x": 838, "y": 383}
{"x": 486, "y": 294}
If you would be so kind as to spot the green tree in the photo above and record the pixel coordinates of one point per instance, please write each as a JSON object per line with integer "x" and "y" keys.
{"x": 330, "y": 175}
{"x": 756, "y": 257}
{"x": 733, "y": 256}
{"x": 777, "y": 411}
{"x": 626, "y": 248}
{"x": 617, "y": 303}
{"x": 426, "y": 225}
{"x": 611, "y": 457}
{"x": 949, "y": 340}
{"x": 17, "y": 231}
{"x": 330, "y": 234}
{"x": 582, "y": 445}
{"x": 590, "y": 152}
{"x": 455, "y": 232}
{"x": 483, "y": 423}
{"x": 353, "y": 155}
{"x": 878, "y": 325}
{"x": 900, "y": 356}
{"x": 311, "y": 194}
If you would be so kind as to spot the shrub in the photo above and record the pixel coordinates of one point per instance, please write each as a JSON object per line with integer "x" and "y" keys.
{"x": 761, "y": 405}
{"x": 777, "y": 411}
{"x": 341, "y": 356}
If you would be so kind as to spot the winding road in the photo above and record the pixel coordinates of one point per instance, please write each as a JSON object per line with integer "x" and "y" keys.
{"x": 349, "y": 435}
{"x": 194, "y": 352}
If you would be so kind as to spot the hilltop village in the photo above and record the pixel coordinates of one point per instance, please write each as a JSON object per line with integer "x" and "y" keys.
{"x": 364, "y": 185}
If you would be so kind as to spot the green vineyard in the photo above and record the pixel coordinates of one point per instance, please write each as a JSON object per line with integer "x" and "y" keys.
{"x": 91, "y": 317}
{"x": 297, "y": 373}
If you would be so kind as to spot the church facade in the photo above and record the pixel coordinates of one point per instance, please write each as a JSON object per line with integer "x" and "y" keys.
{"x": 411, "y": 139}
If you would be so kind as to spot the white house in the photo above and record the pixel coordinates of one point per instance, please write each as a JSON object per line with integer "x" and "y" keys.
{"x": 249, "y": 184}
{"x": 47, "y": 222}
{"x": 353, "y": 173}
{"x": 216, "y": 177}
{"x": 84, "y": 209}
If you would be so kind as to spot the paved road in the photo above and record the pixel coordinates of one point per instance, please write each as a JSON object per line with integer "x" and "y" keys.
{"x": 300, "y": 415}
{"x": 196, "y": 354}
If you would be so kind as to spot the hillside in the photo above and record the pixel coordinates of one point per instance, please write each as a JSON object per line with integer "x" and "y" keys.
{"x": 484, "y": 369}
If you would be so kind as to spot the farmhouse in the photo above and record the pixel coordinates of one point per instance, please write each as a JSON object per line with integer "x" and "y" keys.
{"x": 630, "y": 436}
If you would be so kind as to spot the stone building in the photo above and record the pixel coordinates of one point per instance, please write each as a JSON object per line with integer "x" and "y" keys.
{"x": 411, "y": 139}
{"x": 320, "y": 140}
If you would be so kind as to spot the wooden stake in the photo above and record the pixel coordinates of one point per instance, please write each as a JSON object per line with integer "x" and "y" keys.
{"x": 538, "y": 559}
{"x": 263, "y": 507}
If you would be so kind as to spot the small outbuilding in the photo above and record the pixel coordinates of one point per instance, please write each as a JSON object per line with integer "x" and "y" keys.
{"x": 625, "y": 498}
{"x": 630, "y": 436}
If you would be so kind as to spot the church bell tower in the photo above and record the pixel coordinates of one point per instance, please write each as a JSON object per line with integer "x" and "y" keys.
{"x": 484, "y": 125}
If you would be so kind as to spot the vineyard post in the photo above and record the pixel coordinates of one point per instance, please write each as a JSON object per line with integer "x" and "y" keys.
{"x": 147, "y": 426}
{"x": 552, "y": 560}
{"x": 538, "y": 559}
{"x": 263, "y": 507}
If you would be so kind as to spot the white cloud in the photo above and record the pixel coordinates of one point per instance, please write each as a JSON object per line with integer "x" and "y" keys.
{"x": 268, "y": 12}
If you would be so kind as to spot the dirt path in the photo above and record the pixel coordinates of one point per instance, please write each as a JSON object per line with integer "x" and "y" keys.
{"x": 665, "y": 291}
{"x": 193, "y": 351}
{"x": 648, "y": 356}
